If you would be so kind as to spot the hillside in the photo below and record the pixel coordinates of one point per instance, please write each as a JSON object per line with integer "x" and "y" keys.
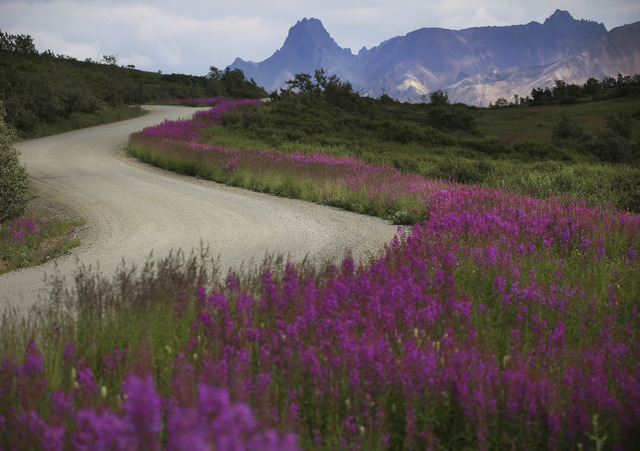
{"x": 45, "y": 93}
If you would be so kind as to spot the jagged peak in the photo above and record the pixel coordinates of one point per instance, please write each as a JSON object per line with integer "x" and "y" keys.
{"x": 308, "y": 27}
{"x": 558, "y": 17}
{"x": 561, "y": 20}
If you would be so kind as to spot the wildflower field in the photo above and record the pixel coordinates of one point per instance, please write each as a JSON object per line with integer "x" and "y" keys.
{"x": 498, "y": 321}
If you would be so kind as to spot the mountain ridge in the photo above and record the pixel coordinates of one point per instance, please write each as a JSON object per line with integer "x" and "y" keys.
{"x": 470, "y": 64}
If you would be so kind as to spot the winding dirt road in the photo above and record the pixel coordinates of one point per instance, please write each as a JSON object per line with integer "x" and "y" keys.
{"x": 132, "y": 209}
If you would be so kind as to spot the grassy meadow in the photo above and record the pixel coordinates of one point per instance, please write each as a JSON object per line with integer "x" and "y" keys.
{"x": 506, "y": 317}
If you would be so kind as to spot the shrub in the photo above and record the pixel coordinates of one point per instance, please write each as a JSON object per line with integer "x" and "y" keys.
{"x": 451, "y": 117}
{"x": 609, "y": 146}
{"x": 620, "y": 124}
{"x": 464, "y": 171}
{"x": 625, "y": 186}
{"x": 567, "y": 130}
{"x": 14, "y": 190}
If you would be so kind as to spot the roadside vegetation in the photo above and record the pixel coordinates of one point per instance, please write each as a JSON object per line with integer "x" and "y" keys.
{"x": 25, "y": 240}
{"x": 587, "y": 150}
{"x": 506, "y": 318}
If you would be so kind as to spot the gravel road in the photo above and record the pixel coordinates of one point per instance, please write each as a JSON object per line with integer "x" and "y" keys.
{"x": 133, "y": 209}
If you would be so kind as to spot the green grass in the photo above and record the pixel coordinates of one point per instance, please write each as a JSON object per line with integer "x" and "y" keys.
{"x": 536, "y": 122}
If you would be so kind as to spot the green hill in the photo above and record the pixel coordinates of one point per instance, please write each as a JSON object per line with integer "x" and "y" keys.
{"x": 45, "y": 93}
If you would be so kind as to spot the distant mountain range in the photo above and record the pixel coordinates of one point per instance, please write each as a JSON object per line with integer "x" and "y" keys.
{"x": 475, "y": 66}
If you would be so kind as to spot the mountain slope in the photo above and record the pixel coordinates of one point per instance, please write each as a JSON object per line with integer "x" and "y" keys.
{"x": 437, "y": 58}
{"x": 618, "y": 52}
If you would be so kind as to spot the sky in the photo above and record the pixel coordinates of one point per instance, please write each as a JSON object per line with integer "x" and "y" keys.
{"x": 189, "y": 36}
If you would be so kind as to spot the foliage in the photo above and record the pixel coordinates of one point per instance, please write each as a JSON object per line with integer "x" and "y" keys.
{"x": 452, "y": 118}
{"x": 14, "y": 186}
{"x": 502, "y": 321}
{"x": 42, "y": 89}
{"x": 567, "y": 130}
{"x": 439, "y": 98}
{"x": 327, "y": 88}
{"x": 611, "y": 144}
{"x": 393, "y": 134}
{"x": 566, "y": 93}
{"x": 620, "y": 124}
{"x": 19, "y": 43}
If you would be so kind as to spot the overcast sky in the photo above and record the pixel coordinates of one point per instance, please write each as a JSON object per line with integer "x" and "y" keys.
{"x": 188, "y": 36}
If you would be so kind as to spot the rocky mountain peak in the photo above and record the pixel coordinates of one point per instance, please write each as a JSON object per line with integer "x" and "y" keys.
{"x": 563, "y": 23}
{"x": 309, "y": 33}
{"x": 559, "y": 19}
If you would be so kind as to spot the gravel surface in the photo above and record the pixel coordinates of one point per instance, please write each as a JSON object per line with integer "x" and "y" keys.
{"x": 133, "y": 209}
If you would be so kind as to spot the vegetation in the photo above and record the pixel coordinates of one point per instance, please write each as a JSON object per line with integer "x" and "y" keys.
{"x": 501, "y": 322}
{"x": 587, "y": 151}
{"x": 45, "y": 93}
{"x": 27, "y": 241}
{"x": 507, "y": 319}
{"x": 14, "y": 189}
{"x": 24, "y": 240}
{"x": 563, "y": 93}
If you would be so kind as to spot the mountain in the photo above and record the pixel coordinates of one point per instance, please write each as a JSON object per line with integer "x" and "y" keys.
{"x": 475, "y": 65}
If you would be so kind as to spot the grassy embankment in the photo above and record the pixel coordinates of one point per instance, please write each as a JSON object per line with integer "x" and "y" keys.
{"x": 511, "y": 148}
{"x": 27, "y": 241}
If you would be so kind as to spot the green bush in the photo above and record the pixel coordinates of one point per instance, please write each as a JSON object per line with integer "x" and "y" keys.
{"x": 620, "y": 124}
{"x": 451, "y": 117}
{"x": 567, "y": 130}
{"x": 609, "y": 146}
{"x": 465, "y": 171}
{"x": 14, "y": 190}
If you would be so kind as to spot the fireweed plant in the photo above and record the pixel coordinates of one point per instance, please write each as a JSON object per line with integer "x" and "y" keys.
{"x": 26, "y": 241}
{"x": 501, "y": 321}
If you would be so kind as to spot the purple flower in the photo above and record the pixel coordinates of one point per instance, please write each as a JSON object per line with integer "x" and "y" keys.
{"x": 143, "y": 412}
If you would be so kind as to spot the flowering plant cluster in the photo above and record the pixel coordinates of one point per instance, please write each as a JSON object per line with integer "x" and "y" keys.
{"x": 20, "y": 228}
{"x": 500, "y": 321}
{"x": 199, "y": 102}
{"x": 25, "y": 241}
{"x": 190, "y": 130}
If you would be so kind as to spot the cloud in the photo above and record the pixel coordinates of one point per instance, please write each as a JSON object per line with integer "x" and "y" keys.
{"x": 188, "y": 36}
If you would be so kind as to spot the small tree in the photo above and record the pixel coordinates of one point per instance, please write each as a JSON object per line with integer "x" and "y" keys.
{"x": 439, "y": 98}
{"x": 14, "y": 189}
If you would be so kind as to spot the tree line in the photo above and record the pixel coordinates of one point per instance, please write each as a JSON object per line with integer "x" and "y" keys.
{"x": 563, "y": 93}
